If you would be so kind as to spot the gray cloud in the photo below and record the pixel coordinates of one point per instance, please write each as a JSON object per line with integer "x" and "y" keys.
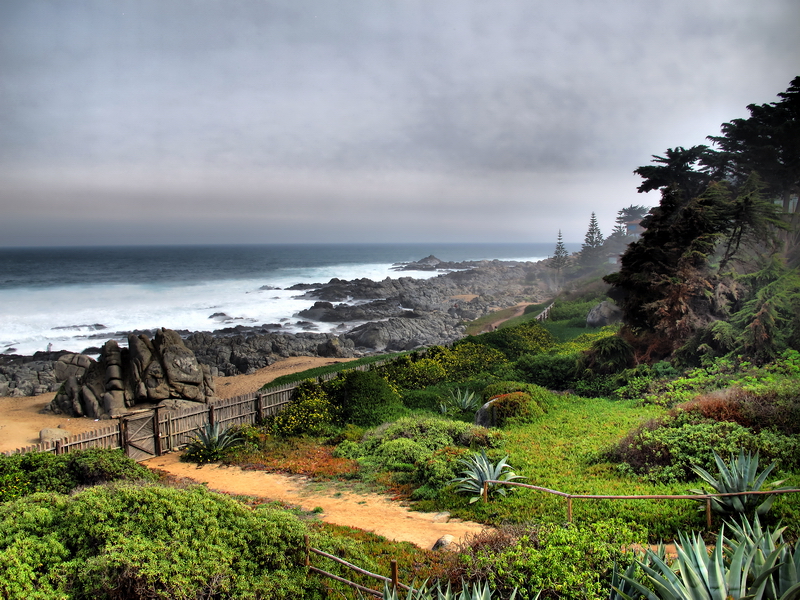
{"x": 459, "y": 120}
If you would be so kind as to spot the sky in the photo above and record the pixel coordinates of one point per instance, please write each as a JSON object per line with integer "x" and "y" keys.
{"x": 278, "y": 121}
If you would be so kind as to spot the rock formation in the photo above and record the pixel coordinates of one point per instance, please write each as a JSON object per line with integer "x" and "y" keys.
{"x": 147, "y": 371}
{"x": 605, "y": 313}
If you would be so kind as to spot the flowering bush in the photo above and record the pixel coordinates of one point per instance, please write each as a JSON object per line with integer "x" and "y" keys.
{"x": 309, "y": 412}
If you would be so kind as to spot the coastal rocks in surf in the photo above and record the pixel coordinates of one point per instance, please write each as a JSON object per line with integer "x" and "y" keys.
{"x": 148, "y": 371}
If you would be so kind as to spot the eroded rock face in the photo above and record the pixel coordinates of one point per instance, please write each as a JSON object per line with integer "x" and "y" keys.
{"x": 147, "y": 371}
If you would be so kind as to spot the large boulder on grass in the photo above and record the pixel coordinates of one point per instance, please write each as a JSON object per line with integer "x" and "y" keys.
{"x": 605, "y": 313}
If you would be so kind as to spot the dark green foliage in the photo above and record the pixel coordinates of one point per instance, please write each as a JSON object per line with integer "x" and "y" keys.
{"x": 23, "y": 474}
{"x": 552, "y": 371}
{"x": 365, "y": 398}
{"x": 667, "y": 449}
{"x": 427, "y": 399}
{"x": 128, "y": 541}
{"x": 565, "y": 561}
{"x": 513, "y": 342}
{"x": 610, "y": 354}
{"x": 718, "y": 213}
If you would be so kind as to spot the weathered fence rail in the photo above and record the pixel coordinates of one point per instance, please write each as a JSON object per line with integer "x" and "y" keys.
{"x": 392, "y": 581}
{"x": 571, "y": 497}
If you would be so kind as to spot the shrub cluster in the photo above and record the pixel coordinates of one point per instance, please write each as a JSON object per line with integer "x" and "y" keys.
{"x": 563, "y": 561}
{"x": 425, "y": 448}
{"x": 23, "y": 474}
{"x": 665, "y": 450}
{"x": 148, "y": 541}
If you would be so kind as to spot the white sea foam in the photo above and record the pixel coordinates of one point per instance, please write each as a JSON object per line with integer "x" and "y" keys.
{"x": 33, "y": 319}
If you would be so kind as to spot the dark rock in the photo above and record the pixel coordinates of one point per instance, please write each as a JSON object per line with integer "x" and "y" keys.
{"x": 146, "y": 371}
{"x": 605, "y": 313}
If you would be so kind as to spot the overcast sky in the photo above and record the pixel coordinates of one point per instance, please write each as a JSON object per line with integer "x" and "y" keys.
{"x": 266, "y": 121}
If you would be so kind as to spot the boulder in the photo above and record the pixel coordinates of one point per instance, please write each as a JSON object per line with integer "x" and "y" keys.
{"x": 51, "y": 434}
{"x": 146, "y": 371}
{"x": 484, "y": 417}
{"x": 443, "y": 542}
{"x": 605, "y": 313}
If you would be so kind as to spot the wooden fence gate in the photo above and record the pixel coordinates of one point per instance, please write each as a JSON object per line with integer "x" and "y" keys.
{"x": 140, "y": 435}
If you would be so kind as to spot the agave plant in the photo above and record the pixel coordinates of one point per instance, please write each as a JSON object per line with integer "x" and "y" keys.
{"x": 718, "y": 575}
{"x": 210, "y": 443}
{"x": 459, "y": 400}
{"x": 477, "y": 468}
{"x": 741, "y": 476}
{"x": 477, "y": 592}
{"x": 764, "y": 547}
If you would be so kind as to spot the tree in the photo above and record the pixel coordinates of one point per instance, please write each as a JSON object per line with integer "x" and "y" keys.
{"x": 592, "y": 248}
{"x": 624, "y": 216}
{"x": 560, "y": 257}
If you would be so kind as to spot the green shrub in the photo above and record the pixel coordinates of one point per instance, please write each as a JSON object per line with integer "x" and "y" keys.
{"x": 429, "y": 431}
{"x": 516, "y": 407}
{"x": 401, "y": 454}
{"x": 513, "y": 342}
{"x": 130, "y": 541}
{"x": 427, "y": 399}
{"x": 365, "y": 398}
{"x": 310, "y": 411}
{"x": 667, "y": 450}
{"x": 552, "y": 371}
{"x": 468, "y": 359}
{"x": 23, "y": 474}
{"x": 569, "y": 561}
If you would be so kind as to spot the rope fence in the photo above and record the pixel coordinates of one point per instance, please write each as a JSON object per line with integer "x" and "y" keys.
{"x": 571, "y": 497}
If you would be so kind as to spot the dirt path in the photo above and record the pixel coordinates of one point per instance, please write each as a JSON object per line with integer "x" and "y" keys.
{"x": 371, "y": 512}
{"x": 520, "y": 310}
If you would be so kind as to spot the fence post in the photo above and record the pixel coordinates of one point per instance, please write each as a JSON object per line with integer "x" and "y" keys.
{"x": 308, "y": 552}
{"x": 59, "y": 449}
{"x": 211, "y": 415}
{"x": 394, "y": 575}
{"x": 708, "y": 513}
{"x": 157, "y": 431}
{"x": 123, "y": 435}
{"x": 485, "y": 492}
{"x": 569, "y": 509}
{"x": 259, "y": 407}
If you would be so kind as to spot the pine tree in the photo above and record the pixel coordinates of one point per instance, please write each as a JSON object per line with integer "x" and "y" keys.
{"x": 560, "y": 257}
{"x": 592, "y": 248}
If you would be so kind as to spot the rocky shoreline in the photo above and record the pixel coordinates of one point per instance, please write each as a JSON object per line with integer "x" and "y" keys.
{"x": 373, "y": 316}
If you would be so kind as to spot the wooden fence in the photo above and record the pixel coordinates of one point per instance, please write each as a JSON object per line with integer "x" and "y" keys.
{"x": 152, "y": 432}
{"x": 570, "y": 497}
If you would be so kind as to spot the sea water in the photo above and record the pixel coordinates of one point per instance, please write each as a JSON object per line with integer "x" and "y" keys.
{"x": 74, "y": 298}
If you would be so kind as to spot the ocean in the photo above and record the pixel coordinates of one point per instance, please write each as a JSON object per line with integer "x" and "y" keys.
{"x": 75, "y": 298}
